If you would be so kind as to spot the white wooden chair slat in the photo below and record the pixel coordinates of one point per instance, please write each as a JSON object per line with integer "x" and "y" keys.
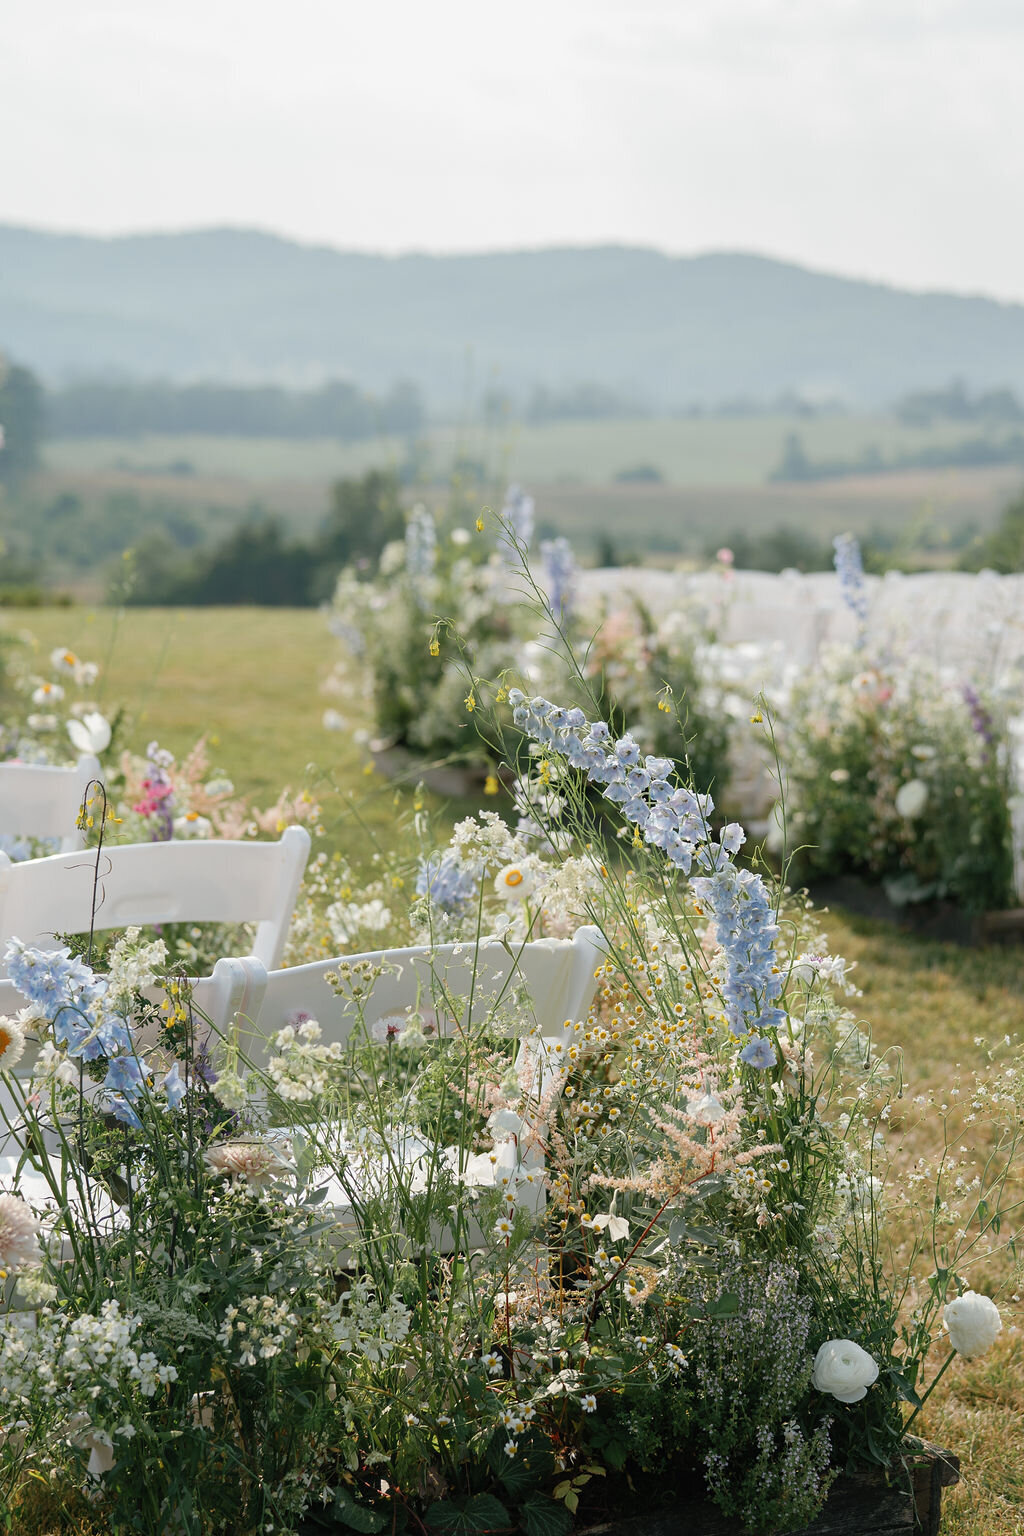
{"x": 165, "y": 882}
{"x": 41, "y": 801}
{"x": 478, "y": 979}
{"x": 469, "y": 984}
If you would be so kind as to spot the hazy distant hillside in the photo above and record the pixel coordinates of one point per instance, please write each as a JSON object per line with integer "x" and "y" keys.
{"x": 245, "y": 306}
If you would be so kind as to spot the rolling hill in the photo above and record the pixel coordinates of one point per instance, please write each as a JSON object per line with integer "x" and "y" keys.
{"x": 246, "y": 306}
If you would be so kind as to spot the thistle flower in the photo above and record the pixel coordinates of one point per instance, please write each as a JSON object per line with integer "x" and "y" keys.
{"x": 257, "y": 1163}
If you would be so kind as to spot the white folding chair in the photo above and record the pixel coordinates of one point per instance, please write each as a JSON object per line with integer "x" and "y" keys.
{"x": 153, "y": 883}
{"x": 42, "y": 802}
{"x": 535, "y": 992}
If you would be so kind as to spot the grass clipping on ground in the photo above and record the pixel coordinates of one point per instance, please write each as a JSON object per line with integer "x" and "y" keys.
{"x": 935, "y": 1001}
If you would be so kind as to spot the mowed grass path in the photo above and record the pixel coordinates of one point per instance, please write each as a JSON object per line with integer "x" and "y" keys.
{"x": 249, "y": 679}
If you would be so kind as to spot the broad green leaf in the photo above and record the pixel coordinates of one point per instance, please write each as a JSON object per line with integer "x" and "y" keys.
{"x": 358, "y": 1517}
{"x": 477, "y": 1516}
{"x": 543, "y": 1517}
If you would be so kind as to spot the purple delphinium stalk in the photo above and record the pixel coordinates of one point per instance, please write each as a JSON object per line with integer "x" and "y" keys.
{"x": 420, "y": 545}
{"x": 448, "y": 884}
{"x": 981, "y": 720}
{"x": 78, "y": 1007}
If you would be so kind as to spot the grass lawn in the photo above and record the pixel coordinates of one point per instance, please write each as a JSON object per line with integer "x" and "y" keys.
{"x": 249, "y": 680}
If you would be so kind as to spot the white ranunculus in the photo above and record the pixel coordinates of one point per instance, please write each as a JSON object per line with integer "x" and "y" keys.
{"x": 91, "y": 735}
{"x": 972, "y": 1322}
{"x": 911, "y": 799}
{"x": 844, "y": 1369}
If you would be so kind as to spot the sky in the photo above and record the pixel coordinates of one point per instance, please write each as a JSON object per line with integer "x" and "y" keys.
{"x": 876, "y": 138}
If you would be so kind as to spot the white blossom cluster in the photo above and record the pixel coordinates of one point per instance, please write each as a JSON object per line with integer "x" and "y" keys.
{"x": 259, "y": 1328}
{"x": 303, "y": 1066}
{"x": 73, "y": 1364}
{"x": 362, "y": 1326}
{"x": 132, "y": 965}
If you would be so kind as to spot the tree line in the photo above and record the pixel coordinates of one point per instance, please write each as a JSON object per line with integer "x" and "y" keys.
{"x": 258, "y": 562}
{"x": 103, "y": 408}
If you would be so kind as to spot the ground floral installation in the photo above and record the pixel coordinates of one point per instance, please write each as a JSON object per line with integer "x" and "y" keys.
{"x": 641, "y": 670}
{"x": 880, "y": 749}
{"x": 899, "y": 770}
{"x": 454, "y": 1278}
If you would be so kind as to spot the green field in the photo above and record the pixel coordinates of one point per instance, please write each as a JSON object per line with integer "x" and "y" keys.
{"x": 713, "y": 486}
{"x": 689, "y": 451}
{"x": 249, "y": 678}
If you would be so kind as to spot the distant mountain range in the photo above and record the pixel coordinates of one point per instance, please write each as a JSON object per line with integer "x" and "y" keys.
{"x": 242, "y": 306}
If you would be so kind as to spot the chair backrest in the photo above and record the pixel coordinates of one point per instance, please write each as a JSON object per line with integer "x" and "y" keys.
{"x": 460, "y": 984}
{"x": 40, "y": 801}
{"x": 147, "y": 883}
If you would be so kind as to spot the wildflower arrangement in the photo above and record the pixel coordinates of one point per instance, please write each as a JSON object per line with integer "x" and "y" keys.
{"x": 415, "y": 665}
{"x": 451, "y": 1269}
{"x": 900, "y": 774}
{"x": 159, "y": 798}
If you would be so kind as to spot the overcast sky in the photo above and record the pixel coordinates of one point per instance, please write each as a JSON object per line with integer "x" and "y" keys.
{"x": 879, "y": 138}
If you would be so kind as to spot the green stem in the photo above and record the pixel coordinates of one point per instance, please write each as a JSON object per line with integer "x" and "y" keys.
{"x": 943, "y": 1368}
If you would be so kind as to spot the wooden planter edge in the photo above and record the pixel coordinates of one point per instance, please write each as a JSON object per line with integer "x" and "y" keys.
{"x": 861, "y": 1505}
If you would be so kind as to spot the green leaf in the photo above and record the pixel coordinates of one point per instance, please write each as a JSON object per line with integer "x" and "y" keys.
{"x": 515, "y": 1475}
{"x": 905, "y": 1388}
{"x": 358, "y": 1517}
{"x": 726, "y": 1305}
{"x": 469, "y": 1517}
{"x": 541, "y": 1516}
{"x": 680, "y": 1230}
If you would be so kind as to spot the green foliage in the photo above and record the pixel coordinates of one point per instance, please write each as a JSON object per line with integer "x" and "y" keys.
{"x": 856, "y": 735}
{"x": 258, "y": 564}
{"x": 1002, "y": 549}
{"x": 476, "y": 1516}
{"x": 21, "y": 416}
{"x": 365, "y": 514}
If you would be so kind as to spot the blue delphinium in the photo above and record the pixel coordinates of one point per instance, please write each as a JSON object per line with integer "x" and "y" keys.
{"x": 560, "y": 576}
{"x": 517, "y": 513}
{"x": 450, "y": 885}
{"x": 420, "y": 544}
{"x": 676, "y": 820}
{"x": 83, "y": 1020}
{"x": 850, "y": 570}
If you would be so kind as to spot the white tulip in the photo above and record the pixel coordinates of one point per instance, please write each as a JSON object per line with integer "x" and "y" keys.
{"x": 844, "y": 1369}
{"x": 911, "y": 799}
{"x": 972, "y": 1322}
{"x": 91, "y": 735}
